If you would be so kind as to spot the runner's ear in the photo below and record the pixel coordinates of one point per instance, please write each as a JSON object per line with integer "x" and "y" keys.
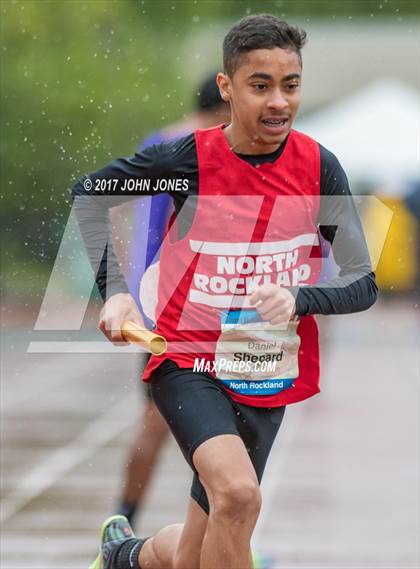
{"x": 223, "y": 83}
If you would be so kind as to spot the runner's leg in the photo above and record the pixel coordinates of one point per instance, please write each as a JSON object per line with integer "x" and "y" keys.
{"x": 227, "y": 444}
{"x": 196, "y": 409}
{"x": 258, "y": 428}
{"x": 144, "y": 453}
{"x": 204, "y": 420}
{"x": 223, "y": 539}
{"x": 177, "y": 546}
{"x": 231, "y": 484}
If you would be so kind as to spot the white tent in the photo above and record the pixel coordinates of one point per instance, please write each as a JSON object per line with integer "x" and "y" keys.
{"x": 374, "y": 133}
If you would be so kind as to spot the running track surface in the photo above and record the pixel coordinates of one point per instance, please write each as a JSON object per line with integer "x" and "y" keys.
{"x": 340, "y": 490}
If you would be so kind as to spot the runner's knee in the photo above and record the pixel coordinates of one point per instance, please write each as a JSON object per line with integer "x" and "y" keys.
{"x": 238, "y": 501}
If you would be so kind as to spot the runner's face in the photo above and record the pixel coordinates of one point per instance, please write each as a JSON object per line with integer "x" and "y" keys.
{"x": 264, "y": 94}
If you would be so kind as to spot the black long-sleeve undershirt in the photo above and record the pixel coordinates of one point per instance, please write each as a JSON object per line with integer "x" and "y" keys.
{"x": 352, "y": 291}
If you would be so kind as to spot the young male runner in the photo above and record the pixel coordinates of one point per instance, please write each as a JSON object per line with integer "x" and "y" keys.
{"x": 238, "y": 268}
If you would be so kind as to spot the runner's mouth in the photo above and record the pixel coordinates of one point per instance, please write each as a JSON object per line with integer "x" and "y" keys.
{"x": 275, "y": 122}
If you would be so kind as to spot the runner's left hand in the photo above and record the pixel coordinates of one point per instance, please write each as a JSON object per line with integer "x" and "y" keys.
{"x": 274, "y": 303}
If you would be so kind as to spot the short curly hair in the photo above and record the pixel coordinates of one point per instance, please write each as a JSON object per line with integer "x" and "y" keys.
{"x": 260, "y": 31}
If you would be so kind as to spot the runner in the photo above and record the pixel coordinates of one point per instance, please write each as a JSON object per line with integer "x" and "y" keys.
{"x": 152, "y": 429}
{"x": 238, "y": 290}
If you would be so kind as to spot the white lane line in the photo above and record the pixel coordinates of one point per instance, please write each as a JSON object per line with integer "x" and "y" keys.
{"x": 96, "y": 435}
{"x": 273, "y": 475}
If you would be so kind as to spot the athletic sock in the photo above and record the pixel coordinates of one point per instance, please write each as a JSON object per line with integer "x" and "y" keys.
{"x": 125, "y": 555}
{"x": 129, "y": 510}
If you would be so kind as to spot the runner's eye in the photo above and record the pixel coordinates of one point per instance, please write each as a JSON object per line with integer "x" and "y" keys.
{"x": 260, "y": 86}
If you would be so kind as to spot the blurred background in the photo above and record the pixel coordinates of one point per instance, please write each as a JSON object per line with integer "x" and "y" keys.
{"x": 83, "y": 82}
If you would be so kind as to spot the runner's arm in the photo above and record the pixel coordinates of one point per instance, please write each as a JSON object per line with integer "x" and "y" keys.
{"x": 92, "y": 207}
{"x": 354, "y": 289}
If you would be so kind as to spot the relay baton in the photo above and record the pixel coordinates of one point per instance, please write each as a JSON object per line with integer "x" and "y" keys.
{"x": 153, "y": 343}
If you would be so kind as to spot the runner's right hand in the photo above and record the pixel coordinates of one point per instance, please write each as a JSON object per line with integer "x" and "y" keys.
{"x": 116, "y": 309}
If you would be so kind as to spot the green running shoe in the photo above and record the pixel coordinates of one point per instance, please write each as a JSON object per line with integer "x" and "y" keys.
{"x": 261, "y": 561}
{"x": 257, "y": 562}
{"x": 114, "y": 531}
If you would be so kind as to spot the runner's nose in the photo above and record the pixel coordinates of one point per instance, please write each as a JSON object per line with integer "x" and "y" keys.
{"x": 277, "y": 101}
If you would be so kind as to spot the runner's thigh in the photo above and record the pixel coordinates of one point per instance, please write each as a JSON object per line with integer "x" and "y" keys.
{"x": 194, "y": 406}
{"x": 258, "y": 427}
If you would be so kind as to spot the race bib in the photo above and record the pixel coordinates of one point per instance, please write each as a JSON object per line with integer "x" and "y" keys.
{"x": 253, "y": 357}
